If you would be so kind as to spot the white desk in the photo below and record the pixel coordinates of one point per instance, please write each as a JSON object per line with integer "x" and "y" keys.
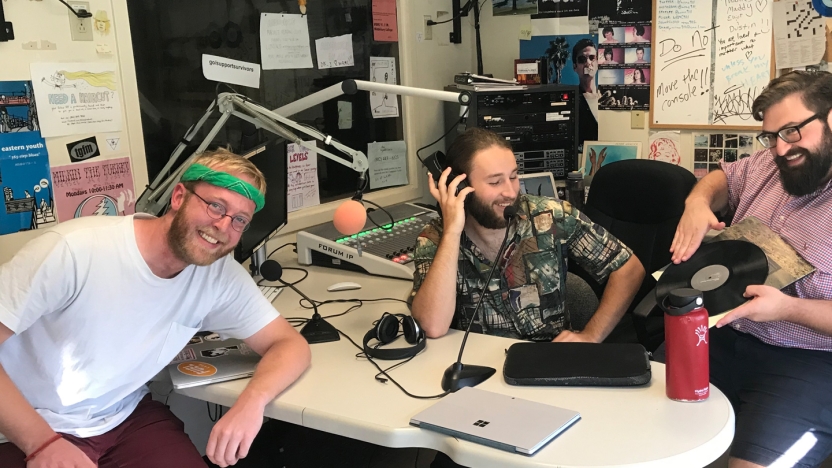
{"x": 633, "y": 427}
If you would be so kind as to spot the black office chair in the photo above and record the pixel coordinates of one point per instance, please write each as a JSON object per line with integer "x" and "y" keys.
{"x": 640, "y": 202}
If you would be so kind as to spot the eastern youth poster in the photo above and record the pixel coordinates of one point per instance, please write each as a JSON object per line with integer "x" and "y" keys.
{"x": 97, "y": 188}
{"x": 76, "y": 98}
{"x": 24, "y": 181}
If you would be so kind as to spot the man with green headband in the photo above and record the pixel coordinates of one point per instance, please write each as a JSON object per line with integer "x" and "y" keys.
{"x": 95, "y": 307}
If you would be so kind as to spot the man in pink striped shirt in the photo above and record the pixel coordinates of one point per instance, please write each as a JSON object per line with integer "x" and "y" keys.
{"x": 774, "y": 359}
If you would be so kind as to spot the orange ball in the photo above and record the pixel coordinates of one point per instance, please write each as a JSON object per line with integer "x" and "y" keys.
{"x": 350, "y": 217}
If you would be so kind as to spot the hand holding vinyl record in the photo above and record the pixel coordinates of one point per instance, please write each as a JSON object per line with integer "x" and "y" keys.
{"x": 767, "y": 304}
{"x": 696, "y": 221}
{"x": 724, "y": 271}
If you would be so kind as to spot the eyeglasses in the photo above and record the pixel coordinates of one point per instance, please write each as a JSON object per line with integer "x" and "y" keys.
{"x": 787, "y": 134}
{"x": 583, "y": 58}
{"x": 218, "y": 211}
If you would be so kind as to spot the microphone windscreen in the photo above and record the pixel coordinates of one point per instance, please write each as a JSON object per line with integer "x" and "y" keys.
{"x": 270, "y": 270}
{"x": 350, "y": 217}
{"x": 509, "y": 212}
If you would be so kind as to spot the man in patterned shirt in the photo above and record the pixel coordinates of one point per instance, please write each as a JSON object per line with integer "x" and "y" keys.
{"x": 525, "y": 297}
{"x": 773, "y": 360}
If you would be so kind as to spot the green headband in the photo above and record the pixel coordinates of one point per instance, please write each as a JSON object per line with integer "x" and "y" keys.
{"x": 227, "y": 181}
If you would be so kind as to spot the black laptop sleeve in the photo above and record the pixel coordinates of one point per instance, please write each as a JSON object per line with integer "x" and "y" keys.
{"x": 588, "y": 364}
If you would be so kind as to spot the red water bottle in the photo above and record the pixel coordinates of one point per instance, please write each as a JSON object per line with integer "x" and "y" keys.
{"x": 686, "y": 342}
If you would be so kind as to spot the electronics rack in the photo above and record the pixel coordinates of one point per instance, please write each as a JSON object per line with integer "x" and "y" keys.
{"x": 541, "y": 122}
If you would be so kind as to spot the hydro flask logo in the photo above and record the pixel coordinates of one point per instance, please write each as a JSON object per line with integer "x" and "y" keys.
{"x": 702, "y": 333}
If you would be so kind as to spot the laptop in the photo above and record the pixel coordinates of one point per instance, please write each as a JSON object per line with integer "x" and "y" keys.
{"x": 496, "y": 420}
{"x": 540, "y": 184}
{"x": 207, "y": 359}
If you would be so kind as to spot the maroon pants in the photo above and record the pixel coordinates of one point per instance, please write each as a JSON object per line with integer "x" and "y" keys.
{"x": 151, "y": 437}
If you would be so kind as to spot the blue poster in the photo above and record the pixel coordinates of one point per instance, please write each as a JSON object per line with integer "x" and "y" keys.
{"x": 25, "y": 182}
{"x": 572, "y": 59}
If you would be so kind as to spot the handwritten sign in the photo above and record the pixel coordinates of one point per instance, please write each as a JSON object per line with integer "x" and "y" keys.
{"x": 284, "y": 42}
{"x": 708, "y": 68}
{"x": 302, "y": 177}
{"x": 334, "y": 52}
{"x": 388, "y": 163}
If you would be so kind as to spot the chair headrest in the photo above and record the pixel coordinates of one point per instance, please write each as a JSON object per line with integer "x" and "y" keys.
{"x": 641, "y": 190}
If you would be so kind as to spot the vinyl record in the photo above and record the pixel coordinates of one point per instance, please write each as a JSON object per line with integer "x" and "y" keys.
{"x": 721, "y": 270}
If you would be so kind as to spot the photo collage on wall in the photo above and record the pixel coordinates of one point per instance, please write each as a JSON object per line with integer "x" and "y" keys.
{"x": 624, "y": 66}
{"x": 709, "y": 149}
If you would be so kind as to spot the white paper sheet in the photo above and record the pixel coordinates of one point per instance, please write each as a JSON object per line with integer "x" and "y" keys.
{"x": 230, "y": 71}
{"x": 334, "y": 52}
{"x": 799, "y": 34}
{"x": 302, "y": 183}
{"x": 344, "y": 115}
{"x": 74, "y": 98}
{"x": 383, "y": 70}
{"x": 284, "y": 41}
{"x": 388, "y": 163}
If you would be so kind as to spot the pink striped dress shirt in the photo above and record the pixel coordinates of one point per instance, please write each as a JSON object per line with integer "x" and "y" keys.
{"x": 754, "y": 189}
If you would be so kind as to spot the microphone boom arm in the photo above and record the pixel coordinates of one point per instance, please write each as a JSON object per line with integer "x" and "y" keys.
{"x": 155, "y": 197}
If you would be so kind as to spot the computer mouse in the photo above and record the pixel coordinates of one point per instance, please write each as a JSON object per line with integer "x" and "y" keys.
{"x": 345, "y": 286}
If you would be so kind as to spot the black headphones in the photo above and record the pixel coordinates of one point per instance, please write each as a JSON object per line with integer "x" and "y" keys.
{"x": 386, "y": 330}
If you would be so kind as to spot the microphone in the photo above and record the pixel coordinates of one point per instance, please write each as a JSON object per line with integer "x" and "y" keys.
{"x": 316, "y": 330}
{"x": 459, "y": 375}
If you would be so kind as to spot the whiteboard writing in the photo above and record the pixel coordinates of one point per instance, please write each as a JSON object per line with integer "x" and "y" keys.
{"x": 710, "y": 63}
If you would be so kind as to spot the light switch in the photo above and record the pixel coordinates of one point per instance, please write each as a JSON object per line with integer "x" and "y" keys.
{"x": 636, "y": 119}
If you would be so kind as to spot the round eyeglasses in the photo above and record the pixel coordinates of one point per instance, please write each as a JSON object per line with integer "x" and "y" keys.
{"x": 218, "y": 211}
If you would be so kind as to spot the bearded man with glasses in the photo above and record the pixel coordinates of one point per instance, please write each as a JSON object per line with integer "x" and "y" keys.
{"x": 95, "y": 307}
{"x": 773, "y": 360}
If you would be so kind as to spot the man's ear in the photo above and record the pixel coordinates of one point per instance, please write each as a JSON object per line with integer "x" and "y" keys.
{"x": 178, "y": 197}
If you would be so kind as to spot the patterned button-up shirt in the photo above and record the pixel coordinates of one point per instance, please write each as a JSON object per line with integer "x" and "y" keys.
{"x": 755, "y": 189}
{"x": 525, "y": 298}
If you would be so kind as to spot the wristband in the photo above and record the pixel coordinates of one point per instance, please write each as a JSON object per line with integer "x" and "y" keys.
{"x": 42, "y": 448}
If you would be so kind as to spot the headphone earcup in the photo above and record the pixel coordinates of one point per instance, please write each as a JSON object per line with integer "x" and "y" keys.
{"x": 387, "y": 328}
{"x": 411, "y": 329}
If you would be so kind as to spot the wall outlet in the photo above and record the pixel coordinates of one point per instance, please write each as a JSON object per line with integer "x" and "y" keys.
{"x": 428, "y": 29}
{"x": 637, "y": 119}
{"x": 80, "y": 28}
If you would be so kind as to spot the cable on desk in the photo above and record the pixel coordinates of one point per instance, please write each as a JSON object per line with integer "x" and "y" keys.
{"x": 295, "y": 244}
{"x": 383, "y": 372}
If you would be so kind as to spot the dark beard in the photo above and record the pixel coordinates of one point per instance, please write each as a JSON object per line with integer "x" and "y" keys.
{"x": 484, "y": 213}
{"x": 807, "y": 177}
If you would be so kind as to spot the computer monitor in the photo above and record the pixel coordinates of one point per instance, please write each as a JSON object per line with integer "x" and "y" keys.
{"x": 541, "y": 184}
{"x": 270, "y": 158}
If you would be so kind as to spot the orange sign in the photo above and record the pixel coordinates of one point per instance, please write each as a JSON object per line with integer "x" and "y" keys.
{"x": 197, "y": 369}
